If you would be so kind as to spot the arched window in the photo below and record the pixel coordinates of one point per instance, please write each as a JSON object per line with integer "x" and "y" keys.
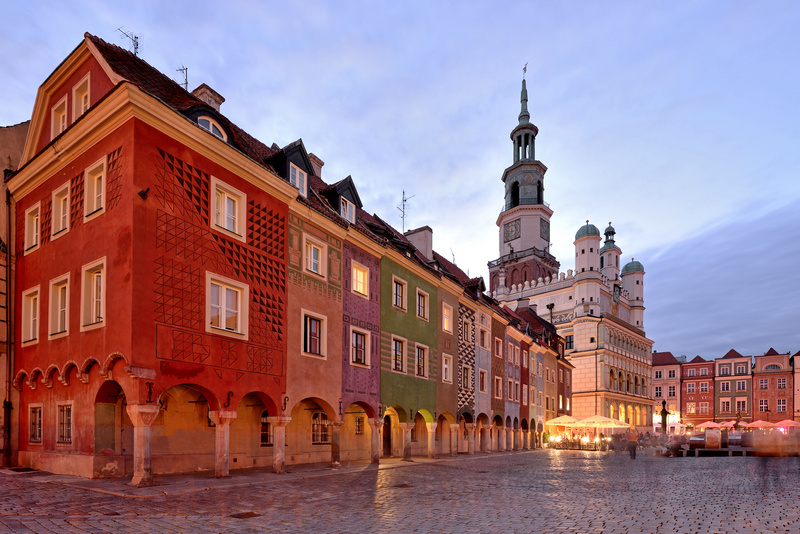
{"x": 266, "y": 430}
{"x": 772, "y": 367}
{"x": 212, "y": 126}
{"x": 514, "y": 195}
{"x": 319, "y": 429}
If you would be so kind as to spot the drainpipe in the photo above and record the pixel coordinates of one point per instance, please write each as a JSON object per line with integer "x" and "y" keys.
{"x": 9, "y": 301}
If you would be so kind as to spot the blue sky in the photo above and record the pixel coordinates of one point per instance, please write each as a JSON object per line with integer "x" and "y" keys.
{"x": 678, "y": 122}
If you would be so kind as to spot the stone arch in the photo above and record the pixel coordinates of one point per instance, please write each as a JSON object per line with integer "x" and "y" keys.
{"x": 19, "y": 378}
{"x": 446, "y": 437}
{"x": 113, "y": 430}
{"x": 309, "y": 435}
{"x": 87, "y": 365}
{"x": 483, "y": 432}
{"x": 66, "y": 369}
{"x": 33, "y": 377}
{"x": 111, "y": 359}
{"x": 356, "y": 432}
{"x": 47, "y": 376}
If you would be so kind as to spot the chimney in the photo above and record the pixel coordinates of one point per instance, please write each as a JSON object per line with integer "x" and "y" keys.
{"x": 209, "y": 96}
{"x": 316, "y": 164}
{"x": 422, "y": 238}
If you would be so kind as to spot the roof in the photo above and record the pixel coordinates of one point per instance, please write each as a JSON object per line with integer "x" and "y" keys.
{"x": 732, "y": 354}
{"x": 664, "y": 358}
{"x": 698, "y": 359}
{"x": 771, "y": 352}
{"x": 587, "y": 230}
{"x": 633, "y": 266}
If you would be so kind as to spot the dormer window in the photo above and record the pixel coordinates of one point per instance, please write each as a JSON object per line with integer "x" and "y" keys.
{"x": 80, "y": 97}
{"x": 348, "y": 210}
{"x": 212, "y": 126}
{"x": 297, "y": 178}
{"x": 58, "y": 118}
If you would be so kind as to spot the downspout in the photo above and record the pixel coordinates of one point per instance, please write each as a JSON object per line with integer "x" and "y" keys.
{"x": 9, "y": 301}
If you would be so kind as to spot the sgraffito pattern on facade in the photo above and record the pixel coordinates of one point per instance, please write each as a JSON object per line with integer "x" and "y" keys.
{"x": 331, "y": 286}
{"x": 466, "y": 357}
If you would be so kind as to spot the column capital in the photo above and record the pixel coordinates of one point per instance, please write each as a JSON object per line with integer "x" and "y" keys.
{"x": 222, "y": 417}
{"x": 142, "y": 414}
{"x": 279, "y": 420}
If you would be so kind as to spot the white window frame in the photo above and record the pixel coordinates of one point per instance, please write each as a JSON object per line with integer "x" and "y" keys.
{"x": 213, "y": 127}
{"x": 359, "y": 283}
{"x": 64, "y": 437}
{"x": 447, "y": 368}
{"x": 781, "y": 383}
{"x": 466, "y": 378}
{"x": 243, "y": 306}
{"x": 740, "y": 370}
{"x": 467, "y": 332}
{"x": 323, "y": 335}
{"x": 33, "y": 227}
{"x": 403, "y": 354}
{"x": 447, "y": 318}
{"x": 516, "y": 391}
{"x": 781, "y": 405}
{"x": 220, "y": 189}
{"x": 320, "y": 267}
{"x": 498, "y": 387}
{"x": 690, "y": 387}
{"x": 35, "y": 427}
{"x": 725, "y": 385}
{"x": 498, "y": 347}
{"x": 742, "y": 383}
{"x": 671, "y": 391}
{"x": 81, "y": 96}
{"x": 395, "y": 283}
{"x": 59, "y": 307}
{"x": 741, "y": 404}
{"x": 60, "y": 211}
{"x": 348, "y": 210}
{"x": 92, "y": 205}
{"x": 367, "y": 345}
{"x": 299, "y": 179}
{"x": 423, "y": 350}
{"x": 58, "y": 117}
{"x": 31, "y": 318}
{"x": 725, "y": 405}
{"x": 763, "y": 405}
{"x": 92, "y": 303}
{"x": 658, "y": 375}
{"x": 510, "y": 390}
{"x": 483, "y": 381}
{"x": 423, "y": 313}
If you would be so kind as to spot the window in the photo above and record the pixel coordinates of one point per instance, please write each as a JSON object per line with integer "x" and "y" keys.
{"x": 516, "y": 391}
{"x": 703, "y": 387}
{"x": 763, "y": 405}
{"x": 560, "y": 402}
{"x": 59, "y": 305}
{"x": 671, "y": 373}
{"x": 229, "y": 215}
{"x": 691, "y": 408}
{"x": 466, "y": 335}
{"x": 725, "y": 386}
{"x": 540, "y": 398}
{"x": 671, "y": 391}
{"x": 547, "y": 374}
{"x": 30, "y": 315}
{"x": 58, "y": 118}
{"x": 64, "y": 423}
{"x": 658, "y": 375}
{"x": 360, "y": 280}
{"x": 657, "y": 392}
{"x": 781, "y": 383}
{"x": 772, "y": 367}
{"x": 95, "y": 187}
{"x": 466, "y": 378}
{"x": 422, "y": 305}
{"x": 725, "y": 406}
{"x": 35, "y": 433}
{"x": 398, "y": 350}
{"x": 510, "y": 390}
{"x": 570, "y": 342}
{"x": 763, "y": 383}
{"x": 740, "y": 369}
{"x": 398, "y": 293}
{"x": 690, "y": 372}
{"x": 447, "y": 318}
{"x": 422, "y": 353}
{"x": 482, "y": 381}
{"x": 297, "y": 178}
{"x": 447, "y": 368}
{"x": 348, "y": 210}
{"x": 266, "y": 430}
{"x": 524, "y": 395}
{"x": 561, "y": 375}
{"x": 690, "y": 388}
{"x": 498, "y": 387}
{"x": 212, "y": 126}
{"x": 359, "y": 347}
{"x": 319, "y": 429}
{"x": 314, "y": 338}
{"x": 516, "y": 355}
{"x": 227, "y": 305}
{"x": 484, "y": 338}
{"x": 704, "y": 372}
{"x": 703, "y": 407}
{"x": 741, "y": 385}
{"x": 741, "y": 405}
{"x": 60, "y": 220}
{"x": 80, "y": 97}
{"x": 32, "y": 226}
{"x": 314, "y": 257}
{"x": 498, "y": 348}
{"x": 781, "y": 405}
{"x": 510, "y": 352}
{"x": 724, "y": 371}
{"x": 540, "y": 370}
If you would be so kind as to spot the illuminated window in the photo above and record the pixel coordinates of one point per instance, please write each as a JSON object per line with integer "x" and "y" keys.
{"x": 398, "y": 354}
{"x": 422, "y": 359}
{"x": 360, "y": 280}
{"x": 447, "y": 318}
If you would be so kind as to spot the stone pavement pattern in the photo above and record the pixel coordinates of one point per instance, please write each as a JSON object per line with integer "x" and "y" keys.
{"x": 536, "y": 491}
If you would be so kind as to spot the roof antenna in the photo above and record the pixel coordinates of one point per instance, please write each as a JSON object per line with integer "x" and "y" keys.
{"x": 453, "y": 254}
{"x": 402, "y": 208}
{"x": 134, "y": 39}
{"x": 185, "y": 71}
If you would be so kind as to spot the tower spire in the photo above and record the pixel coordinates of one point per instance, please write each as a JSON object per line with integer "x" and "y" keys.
{"x": 524, "y": 116}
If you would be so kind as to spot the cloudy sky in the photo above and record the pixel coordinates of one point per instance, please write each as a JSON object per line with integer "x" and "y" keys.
{"x": 678, "y": 122}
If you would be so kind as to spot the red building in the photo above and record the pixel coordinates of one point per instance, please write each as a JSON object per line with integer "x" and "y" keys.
{"x": 773, "y": 397}
{"x": 697, "y": 391}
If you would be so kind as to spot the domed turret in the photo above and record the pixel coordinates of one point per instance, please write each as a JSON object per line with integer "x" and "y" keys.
{"x": 609, "y": 255}
{"x": 633, "y": 283}
{"x": 587, "y": 249}
{"x": 586, "y": 231}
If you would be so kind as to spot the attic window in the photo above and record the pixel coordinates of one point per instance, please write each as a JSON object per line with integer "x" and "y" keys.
{"x": 212, "y": 126}
{"x": 348, "y": 210}
{"x": 297, "y": 178}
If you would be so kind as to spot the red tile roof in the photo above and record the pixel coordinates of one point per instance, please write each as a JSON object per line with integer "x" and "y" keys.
{"x": 664, "y": 358}
{"x": 771, "y": 352}
{"x": 732, "y": 354}
{"x": 698, "y": 359}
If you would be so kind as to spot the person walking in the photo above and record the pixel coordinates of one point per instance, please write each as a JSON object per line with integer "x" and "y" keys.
{"x": 633, "y": 437}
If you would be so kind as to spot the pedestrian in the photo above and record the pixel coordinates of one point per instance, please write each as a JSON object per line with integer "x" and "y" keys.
{"x": 632, "y": 437}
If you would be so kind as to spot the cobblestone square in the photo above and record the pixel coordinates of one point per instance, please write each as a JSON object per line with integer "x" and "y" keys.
{"x": 535, "y": 491}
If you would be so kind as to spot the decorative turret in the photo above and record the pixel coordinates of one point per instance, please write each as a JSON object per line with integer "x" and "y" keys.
{"x": 633, "y": 282}
{"x": 609, "y": 255}
{"x": 587, "y": 249}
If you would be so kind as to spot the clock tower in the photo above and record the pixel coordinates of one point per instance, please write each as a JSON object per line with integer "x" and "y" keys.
{"x": 524, "y": 223}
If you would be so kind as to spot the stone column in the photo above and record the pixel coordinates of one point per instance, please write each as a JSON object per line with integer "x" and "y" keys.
{"x": 407, "y": 440}
{"x": 453, "y": 440}
{"x": 142, "y": 417}
{"x": 470, "y": 437}
{"x": 501, "y": 438}
{"x": 222, "y": 440}
{"x": 336, "y": 441}
{"x": 431, "y": 439}
{"x": 375, "y": 440}
{"x": 279, "y": 442}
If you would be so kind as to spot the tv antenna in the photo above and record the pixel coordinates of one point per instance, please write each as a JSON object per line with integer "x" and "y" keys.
{"x": 185, "y": 71}
{"x": 402, "y": 208}
{"x": 453, "y": 254}
{"x": 134, "y": 39}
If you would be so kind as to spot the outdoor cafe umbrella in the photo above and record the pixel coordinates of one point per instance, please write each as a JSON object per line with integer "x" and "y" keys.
{"x": 564, "y": 420}
{"x": 709, "y": 424}
{"x": 600, "y": 421}
{"x": 728, "y": 424}
{"x": 787, "y": 422}
{"x": 759, "y": 424}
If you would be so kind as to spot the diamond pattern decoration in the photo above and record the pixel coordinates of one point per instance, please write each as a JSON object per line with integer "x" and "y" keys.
{"x": 114, "y": 178}
{"x": 187, "y": 346}
{"x": 179, "y": 294}
{"x": 76, "y": 199}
